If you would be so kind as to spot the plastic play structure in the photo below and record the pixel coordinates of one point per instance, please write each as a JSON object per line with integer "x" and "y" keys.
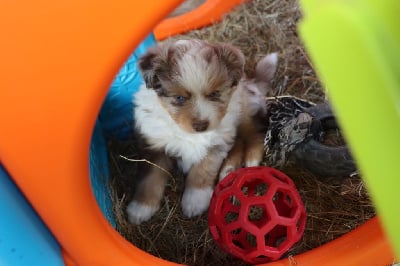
{"x": 210, "y": 11}
{"x": 58, "y": 60}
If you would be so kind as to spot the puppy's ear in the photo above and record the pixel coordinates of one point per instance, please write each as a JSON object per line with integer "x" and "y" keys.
{"x": 233, "y": 58}
{"x": 264, "y": 73}
{"x": 147, "y": 64}
{"x": 266, "y": 68}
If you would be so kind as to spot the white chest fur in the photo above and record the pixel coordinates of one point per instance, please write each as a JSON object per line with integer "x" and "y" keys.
{"x": 162, "y": 133}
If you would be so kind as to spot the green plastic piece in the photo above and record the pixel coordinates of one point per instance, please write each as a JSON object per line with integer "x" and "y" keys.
{"x": 355, "y": 46}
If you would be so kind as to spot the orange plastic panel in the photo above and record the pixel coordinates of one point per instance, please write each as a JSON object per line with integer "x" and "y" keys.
{"x": 366, "y": 245}
{"x": 207, "y": 13}
{"x": 58, "y": 59}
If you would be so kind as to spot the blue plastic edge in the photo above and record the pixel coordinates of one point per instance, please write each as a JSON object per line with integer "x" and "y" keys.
{"x": 116, "y": 114}
{"x": 24, "y": 239}
{"x": 100, "y": 173}
{"x": 115, "y": 121}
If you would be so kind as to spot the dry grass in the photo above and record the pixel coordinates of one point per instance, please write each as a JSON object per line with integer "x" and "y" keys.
{"x": 334, "y": 206}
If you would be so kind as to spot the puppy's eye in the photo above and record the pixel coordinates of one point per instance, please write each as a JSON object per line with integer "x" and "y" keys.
{"x": 179, "y": 100}
{"x": 214, "y": 96}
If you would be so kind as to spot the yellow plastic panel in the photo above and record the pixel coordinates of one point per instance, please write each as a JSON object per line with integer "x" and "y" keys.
{"x": 355, "y": 47}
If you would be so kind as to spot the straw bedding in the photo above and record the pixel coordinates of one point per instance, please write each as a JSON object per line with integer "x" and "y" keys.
{"x": 334, "y": 205}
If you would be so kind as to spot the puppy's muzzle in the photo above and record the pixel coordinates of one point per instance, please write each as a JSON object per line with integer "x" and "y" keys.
{"x": 200, "y": 125}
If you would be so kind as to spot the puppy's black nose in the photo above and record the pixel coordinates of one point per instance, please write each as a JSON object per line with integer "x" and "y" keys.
{"x": 200, "y": 125}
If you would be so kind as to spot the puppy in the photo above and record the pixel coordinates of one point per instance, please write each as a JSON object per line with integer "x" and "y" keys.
{"x": 248, "y": 149}
{"x": 187, "y": 112}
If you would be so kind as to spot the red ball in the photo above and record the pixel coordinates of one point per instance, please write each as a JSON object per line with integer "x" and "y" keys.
{"x": 256, "y": 214}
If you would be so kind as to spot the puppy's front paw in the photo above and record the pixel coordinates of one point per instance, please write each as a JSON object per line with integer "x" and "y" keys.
{"x": 251, "y": 163}
{"x": 139, "y": 212}
{"x": 226, "y": 169}
{"x": 195, "y": 201}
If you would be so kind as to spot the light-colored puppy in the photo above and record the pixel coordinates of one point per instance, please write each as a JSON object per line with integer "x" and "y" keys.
{"x": 248, "y": 149}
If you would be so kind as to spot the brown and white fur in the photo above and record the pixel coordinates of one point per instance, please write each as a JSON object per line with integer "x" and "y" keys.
{"x": 187, "y": 112}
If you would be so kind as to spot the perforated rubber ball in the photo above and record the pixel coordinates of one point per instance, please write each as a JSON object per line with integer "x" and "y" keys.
{"x": 256, "y": 214}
